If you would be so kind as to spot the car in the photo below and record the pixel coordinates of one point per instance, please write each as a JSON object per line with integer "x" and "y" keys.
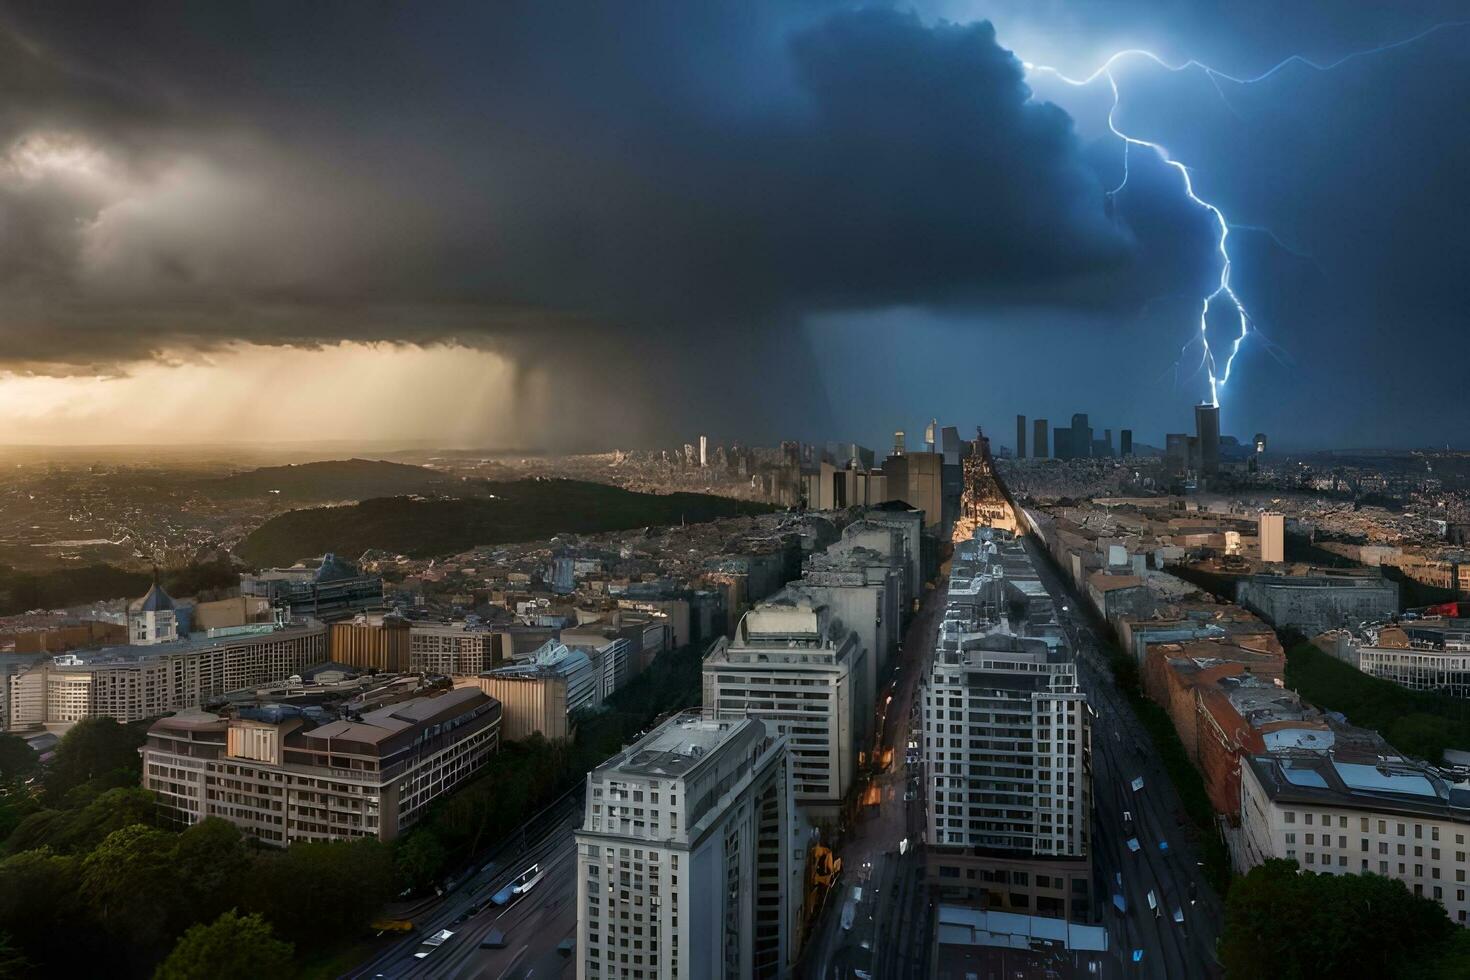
{"x": 432, "y": 943}
{"x": 1118, "y": 878}
{"x": 1153, "y": 903}
{"x": 1179, "y": 915}
{"x": 1121, "y": 904}
{"x": 1164, "y": 846}
{"x": 495, "y": 940}
{"x": 566, "y": 946}
{"x": 1137, "y": 784}
{"x": 1133, "y": 845}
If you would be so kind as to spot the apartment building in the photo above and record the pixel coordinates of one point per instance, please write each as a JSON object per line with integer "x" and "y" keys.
{"x": 688, "y": 862}
{"x": 130, "y": 683}
{"x": 452, "y": 649}
{"x": 281, "y": 776}
{"x": 1006, "y": 747}
{"x": 802, "y": 672}
{"x": 1347, "y": 812}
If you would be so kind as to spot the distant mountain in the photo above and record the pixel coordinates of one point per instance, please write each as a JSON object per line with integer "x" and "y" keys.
{"x": 342, "y": 479}
{"x": 521, "y": 510}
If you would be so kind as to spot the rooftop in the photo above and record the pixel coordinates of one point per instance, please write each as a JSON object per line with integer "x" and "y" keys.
{"x": 676, "y": 746}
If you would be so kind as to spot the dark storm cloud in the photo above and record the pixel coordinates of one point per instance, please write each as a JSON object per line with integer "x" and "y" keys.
{"x": 516, "y": 175}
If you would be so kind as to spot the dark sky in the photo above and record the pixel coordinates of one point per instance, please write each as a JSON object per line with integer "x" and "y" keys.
{"x": 755, "y": 218}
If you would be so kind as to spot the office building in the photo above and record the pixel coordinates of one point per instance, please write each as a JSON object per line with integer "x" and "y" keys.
{"x": 1020, "y": 437}
{"x": 1327, "y": 599}
{"x": 1422, "y": 655}
{"x": 703, "y": 451}
{"x": 916, "y": 479}
{"x": 282, "y": 774}
{"x": 802, "y": 672}
{"x": 460, "y": 649}
{"x": 1038, "y": 438}
{"x": 1260, "y": 443}
{"x": 1207, "y": 431}
{"x": 1272, "y": 532}
{"x": 533, "y": 701}
{"x": 1349, "y": 811}
{"x": 1177, "y": 453}
{"x": 687, "y": 862}
{"x": 373, "y": 642}
{"x": 332, "y": 589}
{"x": 137, "y": 681}
{"x": 1006, "y": 751}
{"x": 1125, "y": 442}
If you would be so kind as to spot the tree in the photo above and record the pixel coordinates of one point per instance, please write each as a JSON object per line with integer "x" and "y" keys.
{"x": 316, "y": 890}
{"x": 16, "y": 757}
{"x": 232, "y": 947}
{"x": 13, "y": 962}
{"x": 209, "y": 860}
{"x": 96, "y": 750}
{"x": 1282, "y": 923}
{"x": 40, "y": 907}
{"x": 419, "y": 858}
{"x": 129, "y": 883}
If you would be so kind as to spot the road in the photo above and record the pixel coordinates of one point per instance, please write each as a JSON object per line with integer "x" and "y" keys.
{"x": 533, "y": 924}
{"x": 1122, "y": 752}
{"x": 890, "y": 932}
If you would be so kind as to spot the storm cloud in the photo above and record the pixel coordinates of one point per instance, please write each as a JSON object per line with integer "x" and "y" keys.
{"x": 498, "y": 174}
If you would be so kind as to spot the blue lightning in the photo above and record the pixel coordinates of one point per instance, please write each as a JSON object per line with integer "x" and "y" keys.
{"x": 1223, "y": 293}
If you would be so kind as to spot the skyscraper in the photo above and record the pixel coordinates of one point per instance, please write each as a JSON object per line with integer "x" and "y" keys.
{"x": 685, "y": 861}
{"x": 1006, "y": 743}
{"x": 703, "y": 451}
{"x": 1125, "y": 442}
{"x": 1020, "y": 437}
{"x": 1038, "y": 438}
{"x": 1207, "y": 431}
{"x": 1273, "y": 536}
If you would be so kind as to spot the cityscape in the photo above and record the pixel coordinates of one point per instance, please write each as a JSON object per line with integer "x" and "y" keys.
{"x": 962, "y": 491}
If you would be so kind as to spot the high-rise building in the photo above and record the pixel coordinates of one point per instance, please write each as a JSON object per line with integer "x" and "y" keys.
{"x": 687, "y": 859}
{"x": 1038, "y": 439}
{"x": 1207, "y": 431}
{"x": 1007, "y": 751}
{"x": 898, "y": 443}
{"x": 931, "y": 433}
{"x": 1260, "y": 443}
{"x": 796, "y": 667}
{"x": 1125, "y": 442}
{"x": 703, "y": 451}
{"x": 1020, "y": 437}
{"x": 1273, "y": 537}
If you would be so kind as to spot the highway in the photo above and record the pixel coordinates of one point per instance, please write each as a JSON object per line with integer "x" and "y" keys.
{"x": 1122, "y": 752}
{"x": 533, "y": 924}
{"x": 890, "y": 931}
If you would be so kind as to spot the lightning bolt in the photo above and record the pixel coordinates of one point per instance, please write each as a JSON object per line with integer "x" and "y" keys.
{"x": 1223, "y": 293}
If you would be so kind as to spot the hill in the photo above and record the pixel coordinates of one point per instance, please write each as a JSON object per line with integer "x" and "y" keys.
{"x": 338, "y": 479}
{"x": 521, "y": 510}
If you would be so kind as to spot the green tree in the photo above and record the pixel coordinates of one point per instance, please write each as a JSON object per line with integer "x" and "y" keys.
{"x": 232, "y": 947}
{"x": 419, "y": 858}
{"x": 96, "y": 750}
{"x": 40, "y": 906}
{"x": 317, "y": 890}
{"x": 1285, "y": 924}
{"x": 209, "y": 860}
{"x": 16, "y": 757}
{"x": 129, "y": 883}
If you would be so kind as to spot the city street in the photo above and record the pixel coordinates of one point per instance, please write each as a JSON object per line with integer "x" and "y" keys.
{"x": 1166, "y": 862}
{"x": 533, "y": 924}
{"x": 889, "y": 935}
